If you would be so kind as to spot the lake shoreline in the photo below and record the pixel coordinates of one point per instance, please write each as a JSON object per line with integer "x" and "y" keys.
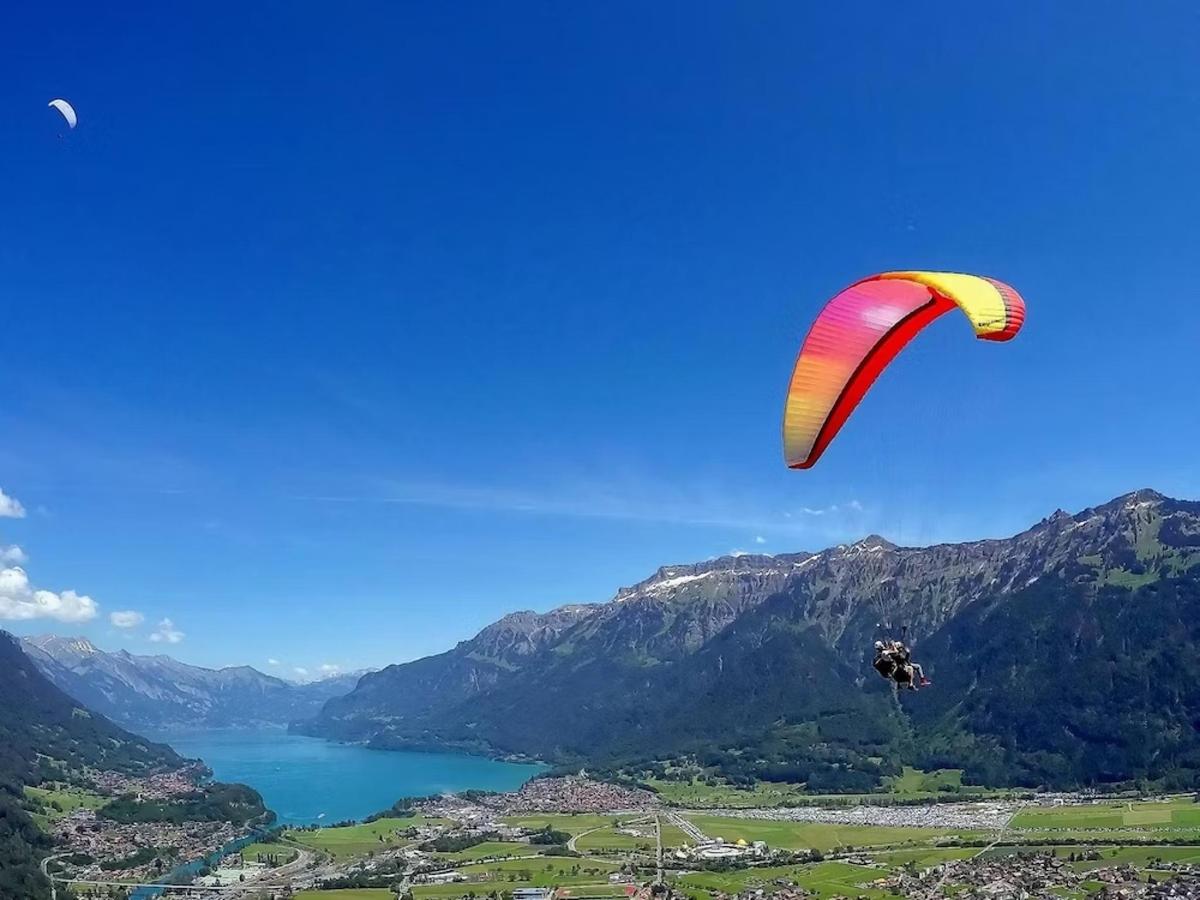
{"x": 310, "y": 780}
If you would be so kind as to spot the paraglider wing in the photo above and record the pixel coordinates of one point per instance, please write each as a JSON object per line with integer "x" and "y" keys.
{"x": 68, "y": 111}
{"x": 862, "y": 329}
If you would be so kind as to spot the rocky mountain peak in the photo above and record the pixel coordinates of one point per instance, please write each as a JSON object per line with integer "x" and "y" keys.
{"x": 63, "y": 646}
{"x": 872, "y": 543}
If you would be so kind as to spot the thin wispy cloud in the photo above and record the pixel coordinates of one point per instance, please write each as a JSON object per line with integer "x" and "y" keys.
{"x": 10, "y": 507}
{"x": 833, "y": 509}
{"x": 126, "y": 618}
{"x": 684, "y": 505}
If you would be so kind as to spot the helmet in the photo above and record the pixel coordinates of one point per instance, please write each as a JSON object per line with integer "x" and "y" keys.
{"x": 879, "y": 645}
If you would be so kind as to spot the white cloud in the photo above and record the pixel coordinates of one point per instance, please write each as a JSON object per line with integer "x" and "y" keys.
{"x": 272, "y": 662}
{"x": 166, "y": 633}
{"x": 12, "y": 556}
{"x": 10, "y": 507}
{"x": 301, "y": 671}
{"x": 126, "y": 618}
{"x": 760, "y": 539}
{"x": 738, "y": 552}
{"x": 330, "y": 668}
{"x": 20, "y": 601}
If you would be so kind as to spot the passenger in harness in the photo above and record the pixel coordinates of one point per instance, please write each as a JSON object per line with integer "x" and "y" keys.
{"x": 894, "y": 660}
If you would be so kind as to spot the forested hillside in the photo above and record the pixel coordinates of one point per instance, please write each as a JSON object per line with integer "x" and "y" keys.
{"x": 1059, "y": 658}
{"x": 45, "y": 734}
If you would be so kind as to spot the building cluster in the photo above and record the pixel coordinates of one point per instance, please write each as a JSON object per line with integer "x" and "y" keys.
{"x": 569, "y": 794}
{"x": 1042, "y": 876}
{"x": 148, "y": 787}
{"x": 573, "y": 793}
{"x": 717, "y": 849}
{"x": 82, "y": 831}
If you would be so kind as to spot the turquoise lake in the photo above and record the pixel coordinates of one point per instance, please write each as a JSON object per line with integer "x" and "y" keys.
{"x": 309, "y": 781}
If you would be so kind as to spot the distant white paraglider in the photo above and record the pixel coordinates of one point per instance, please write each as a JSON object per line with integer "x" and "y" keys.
{"x": 67, "y": 110}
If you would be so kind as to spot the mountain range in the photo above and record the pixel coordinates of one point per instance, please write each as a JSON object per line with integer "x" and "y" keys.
{"x": 1060, "y": 656}
{"x": 161, "y": 692}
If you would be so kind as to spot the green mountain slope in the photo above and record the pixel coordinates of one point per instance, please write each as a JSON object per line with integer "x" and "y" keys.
{"x": 44, "y": 733}
{"x": 761, "y": 664}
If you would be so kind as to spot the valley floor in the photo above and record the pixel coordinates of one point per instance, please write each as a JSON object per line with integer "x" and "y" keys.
{"x": 1061, "y": 846}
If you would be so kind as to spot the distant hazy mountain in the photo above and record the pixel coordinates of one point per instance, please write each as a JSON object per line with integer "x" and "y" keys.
{"x": 1063, "y": 654}
{"x": 158, "y": 691}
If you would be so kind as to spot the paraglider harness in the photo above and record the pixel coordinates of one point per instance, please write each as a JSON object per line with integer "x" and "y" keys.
{"x": 893, "y": 660}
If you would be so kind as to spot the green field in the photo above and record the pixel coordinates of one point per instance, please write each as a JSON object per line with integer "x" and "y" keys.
{"x": 610, "y": 839}
{"x": 1139, "y": 856}
{"x": 348, "y": 894}
{"x": 673, "y": 837}
{"x": 592, "y": 890}
{"x": 357, "y": 840}
{"x": 491, "y": 848}
{"x": 542, "y": 871}
{"x": 911, "y": 783}
{"x": 54, "y": 803}
{"x": 1150, "y": 816}
{"x": 916, "y": 783}
{"x": 283, "y": 852}
{"x": 801, "y": 835}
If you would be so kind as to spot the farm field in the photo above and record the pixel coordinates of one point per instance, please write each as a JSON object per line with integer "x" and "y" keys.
{"x": 543, "y": 871}
{"x": 356, "y": 840}
{"x": 1175, "y": 813}
{"x": 54, "y": 803}
{"x": 911, "y": 784}
{"x": 492, "y": 848}
{"x": 820, "y": 836}
{"x": 613, "y": 839}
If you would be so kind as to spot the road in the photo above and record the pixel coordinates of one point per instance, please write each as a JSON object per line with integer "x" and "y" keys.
{"x": 658, "y": 877}
{"x": 688, "y": 827}
{"x": 571, "y": 843}
{"x": 46, "y": 872}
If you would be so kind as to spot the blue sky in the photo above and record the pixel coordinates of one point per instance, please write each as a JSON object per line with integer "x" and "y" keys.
{"x": 334, "y": 332}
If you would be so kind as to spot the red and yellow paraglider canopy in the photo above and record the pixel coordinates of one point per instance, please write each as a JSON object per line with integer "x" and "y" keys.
{"x": 862, "y": 329}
